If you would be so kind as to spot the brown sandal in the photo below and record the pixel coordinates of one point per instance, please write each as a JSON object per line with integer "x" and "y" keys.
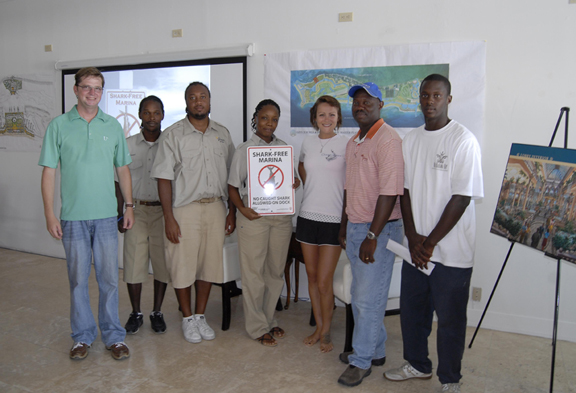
{"x": 277, "y": 332}
{"x": 267, "y": 340}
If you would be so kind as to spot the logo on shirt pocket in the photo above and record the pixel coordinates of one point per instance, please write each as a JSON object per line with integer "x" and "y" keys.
{"x": 440, "y": 162}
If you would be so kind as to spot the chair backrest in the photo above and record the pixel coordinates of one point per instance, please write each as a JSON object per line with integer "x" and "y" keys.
{"x": 231, "y": 258}
{"x": 343, "y": 279}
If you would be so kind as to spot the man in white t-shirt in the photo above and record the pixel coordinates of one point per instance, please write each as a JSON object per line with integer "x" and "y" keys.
{"x": 443, "y": 176}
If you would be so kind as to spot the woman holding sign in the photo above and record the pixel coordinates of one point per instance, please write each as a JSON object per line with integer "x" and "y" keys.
{"x": 263, "y": 240}
{"x": 322, "y": 169}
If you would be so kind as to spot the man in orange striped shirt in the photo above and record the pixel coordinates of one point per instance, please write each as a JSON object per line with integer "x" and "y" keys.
{"x": 371, "y": 215}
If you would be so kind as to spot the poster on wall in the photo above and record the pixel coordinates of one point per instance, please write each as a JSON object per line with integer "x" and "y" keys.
{"x": 400, "y": 87}
{"x": 27, "y": 105}
{"x": 537, "y": 202}
{"x": 296, "y": 79}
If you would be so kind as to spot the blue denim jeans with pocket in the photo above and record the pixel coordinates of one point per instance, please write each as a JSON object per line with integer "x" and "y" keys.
{"x": 370, "y": 285}
{"x": 83, "y": 240}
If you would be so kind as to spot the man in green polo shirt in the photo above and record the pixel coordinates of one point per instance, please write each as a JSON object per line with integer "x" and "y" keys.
{"x": 88, "y": 144}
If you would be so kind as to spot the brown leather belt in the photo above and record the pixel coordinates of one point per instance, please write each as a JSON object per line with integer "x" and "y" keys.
{"x": 149, "y": 203}
{"x": 208, "y": 200}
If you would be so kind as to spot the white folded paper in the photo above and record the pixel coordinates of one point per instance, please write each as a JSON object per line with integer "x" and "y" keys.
{"x": 404, "y": 253}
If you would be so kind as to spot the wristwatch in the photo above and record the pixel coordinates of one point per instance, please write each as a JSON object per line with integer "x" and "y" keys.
{"x": 370, "y": 235}
{"x": 130, "y": 205}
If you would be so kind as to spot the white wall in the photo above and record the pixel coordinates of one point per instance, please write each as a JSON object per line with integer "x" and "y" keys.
{"x": 530, "y": 75}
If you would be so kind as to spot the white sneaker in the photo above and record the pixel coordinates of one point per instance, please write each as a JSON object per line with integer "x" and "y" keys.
{"x": 190, "y": 330}
{"x": 451, "y": 387}
{"x": 406, "y": 371}
{"x": 205, "y": 331}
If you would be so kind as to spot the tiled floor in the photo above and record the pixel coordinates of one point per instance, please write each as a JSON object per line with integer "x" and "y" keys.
{"x": 35, "y": 340}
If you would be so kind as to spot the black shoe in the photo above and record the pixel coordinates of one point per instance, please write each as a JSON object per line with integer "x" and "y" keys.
{"x": 375, "y": 362}
{"x": 134, "y": 322}
{"x": 157, "y": 322}
{"x": 353, "y": 376}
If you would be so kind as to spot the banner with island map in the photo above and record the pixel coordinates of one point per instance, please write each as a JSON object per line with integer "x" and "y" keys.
{"x": 400, "y": 87}
{"x": 537, "y": 202}
{"x": 296, "y": 79}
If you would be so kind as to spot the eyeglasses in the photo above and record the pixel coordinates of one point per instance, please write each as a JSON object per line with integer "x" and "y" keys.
{"x": 86, "y": 89}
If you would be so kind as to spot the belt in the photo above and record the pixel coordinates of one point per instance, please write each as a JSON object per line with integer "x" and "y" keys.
{"x": 149, "y": 203}
{"x": 394, "y": 220}
{"x": 208, "y": 200}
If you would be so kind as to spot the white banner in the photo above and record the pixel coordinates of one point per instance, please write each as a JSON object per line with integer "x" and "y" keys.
{"x": 294, "y": 80}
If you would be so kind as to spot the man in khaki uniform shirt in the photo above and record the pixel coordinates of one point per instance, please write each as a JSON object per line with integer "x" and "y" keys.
{"x": 145, "y": 241}
{"x": 192, "y": 167}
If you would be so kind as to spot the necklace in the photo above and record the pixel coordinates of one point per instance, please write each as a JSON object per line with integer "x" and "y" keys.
{"x": 323, "y": 145}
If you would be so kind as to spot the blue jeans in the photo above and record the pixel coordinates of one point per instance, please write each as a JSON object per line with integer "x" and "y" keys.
{"x": 370, "y": 285}
{"x": 82, "y": 240}
{"x": 446, "y": 292}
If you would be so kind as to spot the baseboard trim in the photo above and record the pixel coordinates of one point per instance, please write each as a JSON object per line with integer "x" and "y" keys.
{"x": 521, "y": 324}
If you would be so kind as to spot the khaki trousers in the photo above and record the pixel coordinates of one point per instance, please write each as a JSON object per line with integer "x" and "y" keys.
{"x": 263, "y": 244}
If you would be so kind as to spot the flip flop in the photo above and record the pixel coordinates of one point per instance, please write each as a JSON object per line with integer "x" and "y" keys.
{"x": 277, "y": 332}
{"x": 267, "y": 340}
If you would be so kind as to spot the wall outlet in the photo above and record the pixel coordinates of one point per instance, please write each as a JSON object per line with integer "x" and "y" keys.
{"x": 476, "y": 294}
{"x": 47, "y": 48}
{"x": 177, "y": 33}
{"x": 345, "y": 17}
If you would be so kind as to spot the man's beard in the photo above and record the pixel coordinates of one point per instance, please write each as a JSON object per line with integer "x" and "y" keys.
{"x": 198, "y": 116}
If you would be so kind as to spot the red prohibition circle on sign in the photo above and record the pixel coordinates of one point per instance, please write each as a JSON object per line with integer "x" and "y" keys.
{"x": 127, "y": 126}
{"x": 270, "y": 178}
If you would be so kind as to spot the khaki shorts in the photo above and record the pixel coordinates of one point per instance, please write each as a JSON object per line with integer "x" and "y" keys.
{"x": 144, "y": 243}
{"x": 198, "y": 256}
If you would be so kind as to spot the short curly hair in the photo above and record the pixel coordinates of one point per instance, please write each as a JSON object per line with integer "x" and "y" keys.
{"x": 151, "y": 98}
{"x": 438, "y": 78}
{"x": 197, "y": 83}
